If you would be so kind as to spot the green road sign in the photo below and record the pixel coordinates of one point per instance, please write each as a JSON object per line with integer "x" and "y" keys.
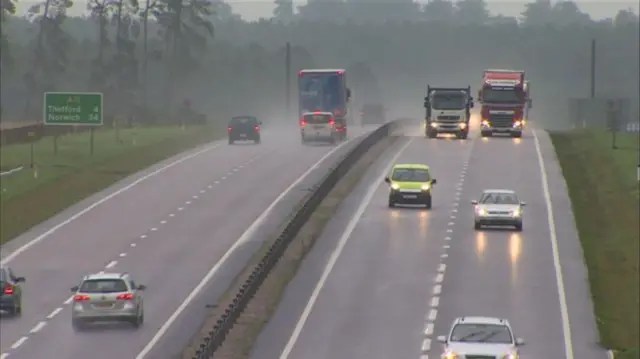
{"x": 64, "y": 108}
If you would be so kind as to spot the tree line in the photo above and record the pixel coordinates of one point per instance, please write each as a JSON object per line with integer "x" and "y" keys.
{"x": 149, "y": 58}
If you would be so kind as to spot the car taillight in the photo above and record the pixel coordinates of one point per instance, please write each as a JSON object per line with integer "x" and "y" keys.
{"x": 80, "y": 298}
{"x": 8, "y": 289}
{"x": 303, "y": 123}
{"x": 126, "y": 296}
{"x": 332, "y": 122}
{"x": 257, "y": 128}
{"x": 229, "y": 128}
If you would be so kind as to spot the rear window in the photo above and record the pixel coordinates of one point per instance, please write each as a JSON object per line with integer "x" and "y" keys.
{"x": 243, "y": 120}
{"x": 317, "y": 119}
{"x": 103, "y": 286}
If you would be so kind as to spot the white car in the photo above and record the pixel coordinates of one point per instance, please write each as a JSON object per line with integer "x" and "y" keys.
{"x": 318, "y": 126}
{"x": 498, "y": 207}
{"x": 480, "y": 338}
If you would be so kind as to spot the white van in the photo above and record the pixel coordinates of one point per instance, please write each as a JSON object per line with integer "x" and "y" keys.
{"x": 318, "y": 126}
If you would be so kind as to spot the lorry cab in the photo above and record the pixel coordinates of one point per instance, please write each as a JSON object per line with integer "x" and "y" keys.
{"x": 448, "y": 110}
{"x": 319, "y": 126}
{"x": 506, "y": 102}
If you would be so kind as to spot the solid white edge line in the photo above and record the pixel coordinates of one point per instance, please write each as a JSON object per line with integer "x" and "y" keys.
{"x": 50, "y": 231}
{"x": 564, "y": 313}
{"x": 243, "y": 238}
{"x": 336, "y": 254}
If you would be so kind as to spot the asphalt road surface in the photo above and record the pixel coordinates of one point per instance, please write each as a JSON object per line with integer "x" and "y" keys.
{"x": 168, "y": 227}
{"x": 382, "y": 283}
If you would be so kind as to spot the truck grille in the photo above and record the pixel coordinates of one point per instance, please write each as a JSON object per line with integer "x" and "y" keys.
{"x": 479, "y": 357}
{"x": 501, "y": 121}
{"x": 448, "y": 118}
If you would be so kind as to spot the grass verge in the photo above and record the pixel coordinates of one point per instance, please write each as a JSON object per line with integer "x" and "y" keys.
{"x": 603, "y": 189}
{"x": 73, "y": 174}
{"x": 242, "y": 337}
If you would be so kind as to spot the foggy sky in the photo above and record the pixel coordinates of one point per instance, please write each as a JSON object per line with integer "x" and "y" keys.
{"x": 256, "y": 9}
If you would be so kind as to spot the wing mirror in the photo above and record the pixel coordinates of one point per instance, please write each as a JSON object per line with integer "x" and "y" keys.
{"x": 20, "y": 279}
{"x": 141, "y": 287}
{"x": 386, "y": 179}
{"x": 523, "y": 203}
{"x": 74, "y": 288}
{"x": 442, "y": 339}
{"x": 519, "y": 342}
{"x": 434, "y": 181}
{"x": 474, "y": 202}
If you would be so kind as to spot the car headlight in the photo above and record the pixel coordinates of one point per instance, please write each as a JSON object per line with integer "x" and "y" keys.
{"x": 485, "y": 123}
{"x": 516, "y": 213}
{"x": 434, "y": 125}
{"x": 510, "y": 356}
{"x": 517, "y": 124}
{"x": 450, "y": 355}
{"x": 425, "y": 187}
{"x": 463, "y": 125}
{"x": 481, "y": 212}
{"x": 395, "y": 186}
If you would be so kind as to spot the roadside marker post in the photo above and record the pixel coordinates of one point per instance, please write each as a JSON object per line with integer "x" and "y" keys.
{"x": 74, "y": 108}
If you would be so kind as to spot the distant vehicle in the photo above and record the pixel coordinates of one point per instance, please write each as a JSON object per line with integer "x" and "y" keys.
{"x": 11, "y": 295}
{"x": 107, "y": 297}
{"x": 325, "y": 90}
{"x": 244, "y": 128}
{"x": 448, "y": 111}
{"x": 480, "y": 338}
{"x": 498, "y": 207}
{"x": 410, "y": 184}
{"x": 505, "y": 98}
{"x": 318, "y": 126}
{"x": 373, "y": 114}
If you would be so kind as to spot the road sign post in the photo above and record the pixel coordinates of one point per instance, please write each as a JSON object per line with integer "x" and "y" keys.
{"x": 73, "y": 108}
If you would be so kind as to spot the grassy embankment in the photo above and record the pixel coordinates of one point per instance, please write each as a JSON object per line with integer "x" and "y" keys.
{"x": 73, "y": 174}
{"x": 603, "y": 187}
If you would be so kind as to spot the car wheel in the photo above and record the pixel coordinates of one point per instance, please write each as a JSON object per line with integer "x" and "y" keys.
{"x": 486, "y": 134}
{"x": 462, "y": 136}
{"x": 230, "y": 141}
{"x": 477, "y": 226}
{"x": 77, "y": 324}
{"x": 17, "y": 309}
{"x": 518, "y": 227}
{"x": 427, "y": 202}
{"x": 516, "y": 134}
{"x": 432, "y": 134}
{"x": 391, "y": 203}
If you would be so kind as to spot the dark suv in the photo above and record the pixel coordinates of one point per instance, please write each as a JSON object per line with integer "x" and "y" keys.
{"x": 11, "y": 291}
{"x": 244, "y": 128}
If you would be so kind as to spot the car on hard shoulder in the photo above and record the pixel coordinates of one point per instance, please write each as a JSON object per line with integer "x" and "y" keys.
{"x": 410, "y": 184}
{"x": 498, "y": 207}
{"x": 11, "y": 295}
{"x": 107, "y": 297}
{"x": 481, "y": 338}
{"x": 244, "y": 128}
{"x": 319, "y": 127}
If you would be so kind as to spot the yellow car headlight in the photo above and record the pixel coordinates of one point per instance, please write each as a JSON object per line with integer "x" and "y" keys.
{"x": 395, "y": 186}
{"x": 426, "y": 187}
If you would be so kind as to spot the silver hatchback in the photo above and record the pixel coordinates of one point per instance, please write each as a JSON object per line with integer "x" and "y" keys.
{"x": 498, "y": 207}
{"x": 107, "y": 297}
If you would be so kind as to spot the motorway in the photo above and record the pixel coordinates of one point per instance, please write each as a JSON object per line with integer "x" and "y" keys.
{"x": 382, "y": 283}
{"x": 167, "y": 226}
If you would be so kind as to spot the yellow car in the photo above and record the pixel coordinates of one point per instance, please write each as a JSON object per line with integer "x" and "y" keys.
{"x": 410, "y": 184}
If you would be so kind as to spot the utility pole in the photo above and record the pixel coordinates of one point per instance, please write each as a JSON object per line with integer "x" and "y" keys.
{"x": 593, "y": 68}
{"x": 287, "y": 70}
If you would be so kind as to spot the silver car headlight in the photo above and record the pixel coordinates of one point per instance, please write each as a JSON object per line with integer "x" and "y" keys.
{"x": 516, "y": 213}
{"x": 481, "y": 212}
{"x": 510, "y": 356}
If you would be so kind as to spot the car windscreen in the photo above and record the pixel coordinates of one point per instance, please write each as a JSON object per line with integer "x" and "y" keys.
{"x": 243, "y": 121}
{"x": 499, "y": 198}
{"x": 481, "y": 333}
{"x": 448, "y": 101}
{"x": 103, "y": 286}
{"x": 410, "y": 175}
{"x": 317, "y": 118}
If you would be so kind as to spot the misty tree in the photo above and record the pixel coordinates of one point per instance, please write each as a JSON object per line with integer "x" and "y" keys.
{"x": 283, "y": 11}
{"x": 626, "y": 17}
{"x": 439, "y": 10}
{"x": 186, "y": 28}
{"x": 50, "y": 50}
{"x": 543, "y": 13}
{"x": 472, "y": 12}
{"x": 123, "y": 66}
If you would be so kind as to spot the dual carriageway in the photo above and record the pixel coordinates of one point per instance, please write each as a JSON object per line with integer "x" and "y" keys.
{"x": 380, "y": 283}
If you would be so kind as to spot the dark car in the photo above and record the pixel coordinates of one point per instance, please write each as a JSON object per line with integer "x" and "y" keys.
{"x": 11, "y": 294}
{"x": 244, "y": 128}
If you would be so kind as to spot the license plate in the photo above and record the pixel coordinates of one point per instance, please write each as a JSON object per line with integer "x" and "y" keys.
{"x": 318, "y": 126}
{"x": 410, "y": 196}
{"x": 243, "y": 135}
{"x": 103, "y": 305}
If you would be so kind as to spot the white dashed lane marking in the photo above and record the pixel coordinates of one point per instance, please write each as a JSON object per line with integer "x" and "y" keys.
{"x": 42, "y": 324}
